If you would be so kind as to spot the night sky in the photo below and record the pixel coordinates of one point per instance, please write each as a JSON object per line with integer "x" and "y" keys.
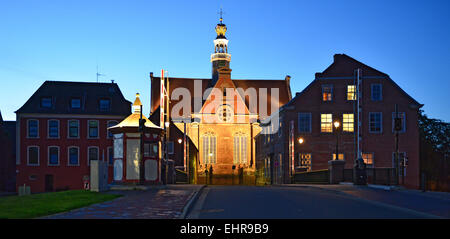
{"x": 65, "y": 41}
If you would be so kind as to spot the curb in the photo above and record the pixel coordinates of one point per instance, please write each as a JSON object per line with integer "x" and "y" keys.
{"x": 191, "y": 202}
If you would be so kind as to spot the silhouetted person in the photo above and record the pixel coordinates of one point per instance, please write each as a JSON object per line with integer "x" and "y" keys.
{"x": 210, "y": 174}
{"x": 241, "y": 175}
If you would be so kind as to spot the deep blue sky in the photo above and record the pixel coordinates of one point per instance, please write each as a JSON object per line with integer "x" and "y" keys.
{"x": 65, "y": 40}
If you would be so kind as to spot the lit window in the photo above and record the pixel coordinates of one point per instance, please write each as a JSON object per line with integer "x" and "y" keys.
{"x": 304, "y": 122}
{"x": 73, "y": 156}
{"x": 401, "y": 115}
{"x": 375, "y": 122}
{"x": 53, "y": 128}
{"x": 46, "y": 102}
{"x": 327, "y": 92}
{"x": 53, "y": 155}
{"x": 33, "y": 155}
{"x": 326, "y": 125}
{"x": 341, "y": 156}
{"x": 368, "y": 158}
{"x": 240, "y": 149}
{"x": 351, "y": 92}
{"x": 376, "y": 91}
{"x": 209, "y": 148}
{"x": 33, "y": 129}
{"x": 73, "y": 128}
{"x": 347, "y": 122}
{"x": 93, "y": 128}
{"x": 304, "y": 162}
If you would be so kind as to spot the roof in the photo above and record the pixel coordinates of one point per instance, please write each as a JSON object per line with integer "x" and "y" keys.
{"x": 345, "y": 66}
{"x": 90, "y": 93}
{"x": 188, "y": 83}
{"x": 132, "y": 121}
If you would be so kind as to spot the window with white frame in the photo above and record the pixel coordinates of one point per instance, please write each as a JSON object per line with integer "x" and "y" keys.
{"x": 347, "y": 122}
{"x": 209, "y": 148}
{"x": 304, "y": 122}
{"x": 74, "y": 129}
{"x": 92, "y": 129}
{"x": 33, "y": 128}
{"x": 351, "y": 92}
{"x": 53, "y": 128}
{"x": 33, "y": 155}
{"x": 53, "y": 155}
{"x": 240, "y": 148}
{"x": 375, "y": 122}
{"x": 326, "y": 125}
{"x": 74, "y": 156}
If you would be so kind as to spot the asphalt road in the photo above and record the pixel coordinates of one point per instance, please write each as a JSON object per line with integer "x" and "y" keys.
{"x": 250, "y": 202}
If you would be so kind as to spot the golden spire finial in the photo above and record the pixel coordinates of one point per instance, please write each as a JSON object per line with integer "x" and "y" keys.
{"x": 221, "y": 29}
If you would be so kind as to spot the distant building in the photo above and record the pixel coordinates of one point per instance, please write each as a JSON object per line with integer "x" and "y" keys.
{"x": 331, "y": 97}
{"x": 7, "y": 155}
{"x": 223, "y": 132}
{"x": 63, "y": 126}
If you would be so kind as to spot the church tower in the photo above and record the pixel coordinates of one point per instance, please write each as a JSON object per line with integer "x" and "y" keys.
{"x": 220, "y": 58}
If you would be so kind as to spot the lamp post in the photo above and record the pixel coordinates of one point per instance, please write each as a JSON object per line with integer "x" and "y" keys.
{"x": 300, "y": 141}
{"x": 166, "y": 150}
{"x": 336, "y": 127}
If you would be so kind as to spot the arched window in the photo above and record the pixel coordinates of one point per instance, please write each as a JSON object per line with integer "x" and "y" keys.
{"x": 240, "y": 148}
{"x": 209, "y": 148}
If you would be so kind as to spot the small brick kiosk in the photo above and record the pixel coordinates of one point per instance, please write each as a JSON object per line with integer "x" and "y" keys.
{"x": 127, "y": 149}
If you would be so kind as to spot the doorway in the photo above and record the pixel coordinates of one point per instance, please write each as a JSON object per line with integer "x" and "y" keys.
{"x": 49, "y": 183}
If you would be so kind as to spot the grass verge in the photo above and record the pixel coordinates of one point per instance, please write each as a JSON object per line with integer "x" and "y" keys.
{"x": 43, "y": 204}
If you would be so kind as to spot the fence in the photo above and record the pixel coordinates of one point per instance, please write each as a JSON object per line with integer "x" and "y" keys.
{"x": 319, "y": 176}
{"x": 381, "y": 176}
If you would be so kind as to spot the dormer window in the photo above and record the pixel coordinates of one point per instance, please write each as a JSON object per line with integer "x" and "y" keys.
{"x": 46, "y": 102}
{"x": 75, "y": 103}
{"x": 104, "y": 104}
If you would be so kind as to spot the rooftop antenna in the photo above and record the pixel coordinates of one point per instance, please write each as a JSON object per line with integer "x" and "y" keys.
{"x": 98, "y": 74}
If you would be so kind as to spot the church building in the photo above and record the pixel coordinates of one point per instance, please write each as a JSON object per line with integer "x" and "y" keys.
{"x": 220, "y": 116}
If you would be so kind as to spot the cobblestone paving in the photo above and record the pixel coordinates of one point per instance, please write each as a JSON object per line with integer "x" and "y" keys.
{"x": 151, "y": 204}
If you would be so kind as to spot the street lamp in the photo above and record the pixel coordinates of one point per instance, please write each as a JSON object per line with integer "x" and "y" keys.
{"x": 301, "y": 140}
{"x": 180, "y": 141}
{"x": 336, "y": 126}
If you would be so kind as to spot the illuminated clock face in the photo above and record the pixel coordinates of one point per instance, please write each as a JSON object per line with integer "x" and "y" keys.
{"x": 224, "y": 113}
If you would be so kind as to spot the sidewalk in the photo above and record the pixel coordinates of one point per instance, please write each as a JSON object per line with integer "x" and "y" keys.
{"x": 435, "y": 203}
{"x": 155, "y": 203}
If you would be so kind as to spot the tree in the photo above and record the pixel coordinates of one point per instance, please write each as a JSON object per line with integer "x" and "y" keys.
{"x": 435, "y": 150}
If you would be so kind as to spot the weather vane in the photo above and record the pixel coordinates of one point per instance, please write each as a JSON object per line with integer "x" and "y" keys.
{"x": 221, "y": 14}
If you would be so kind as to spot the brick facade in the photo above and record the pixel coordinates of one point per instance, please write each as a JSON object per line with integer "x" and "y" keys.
{"x": 321, "y": 145}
